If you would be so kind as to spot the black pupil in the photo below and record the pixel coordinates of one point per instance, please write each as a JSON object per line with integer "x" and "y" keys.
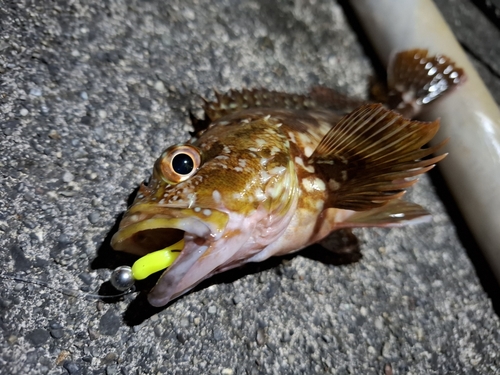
{"x": 182, "y": 164}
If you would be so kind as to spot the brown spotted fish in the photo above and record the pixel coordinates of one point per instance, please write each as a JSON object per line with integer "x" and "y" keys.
{"x": 271, "y": 173}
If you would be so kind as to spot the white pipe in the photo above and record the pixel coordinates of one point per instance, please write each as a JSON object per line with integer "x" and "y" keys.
{"x": 469, "y": 116}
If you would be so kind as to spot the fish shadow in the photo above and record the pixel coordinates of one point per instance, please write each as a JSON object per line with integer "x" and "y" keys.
{"x": 140, "y": 310}
{"x": 106, "y": 256}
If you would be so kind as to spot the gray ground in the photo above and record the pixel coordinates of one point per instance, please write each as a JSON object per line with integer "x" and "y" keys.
{"x": 90, "y": 94}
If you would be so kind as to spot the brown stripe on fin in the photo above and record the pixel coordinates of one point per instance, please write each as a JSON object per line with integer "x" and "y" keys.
{"x": 415, "y": 79}
{"x": 235, "y": 101}
{"x": 371, "y": 156}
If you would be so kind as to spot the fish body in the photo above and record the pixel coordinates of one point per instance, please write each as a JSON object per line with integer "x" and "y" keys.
{"x": 271, "y": 174}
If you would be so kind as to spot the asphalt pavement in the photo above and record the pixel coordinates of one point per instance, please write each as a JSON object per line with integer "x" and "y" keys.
{"x": 91, "y": 92}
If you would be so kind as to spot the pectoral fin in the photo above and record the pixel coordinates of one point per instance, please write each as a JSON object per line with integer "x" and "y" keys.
{"x": 371, "y": 156}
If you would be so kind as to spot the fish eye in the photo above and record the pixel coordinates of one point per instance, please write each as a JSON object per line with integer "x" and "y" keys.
{"x": 183, "y": 163}
{"x": 178, "y": 163}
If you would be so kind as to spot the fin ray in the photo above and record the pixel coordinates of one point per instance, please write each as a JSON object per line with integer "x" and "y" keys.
{"x": 237, "y": 100}
{"x": 372, "y": 155}
{"x": 396, "y": 213}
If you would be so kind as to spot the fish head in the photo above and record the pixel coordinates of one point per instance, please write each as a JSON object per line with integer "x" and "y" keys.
{"x": 228, "y": 194}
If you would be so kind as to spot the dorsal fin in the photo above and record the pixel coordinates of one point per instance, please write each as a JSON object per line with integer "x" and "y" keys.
{"x": 234, "y": 101}
{"x": 369, "y": 156}
{"x": 416, "y": 79}
{"x": 319, "y": 97}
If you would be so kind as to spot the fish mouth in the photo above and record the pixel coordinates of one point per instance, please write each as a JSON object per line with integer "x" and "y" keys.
{"x": 146, "y": 228}
{"x": 148, "y": 235}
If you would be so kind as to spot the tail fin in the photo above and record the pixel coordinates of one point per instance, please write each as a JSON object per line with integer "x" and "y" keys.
{"x": 415, "y": 79}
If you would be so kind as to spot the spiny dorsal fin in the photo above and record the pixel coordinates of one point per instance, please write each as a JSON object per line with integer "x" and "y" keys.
{"x": 367, "y": 158}
{"x": 415, "y": 79}
{"x": 234, "y": 101}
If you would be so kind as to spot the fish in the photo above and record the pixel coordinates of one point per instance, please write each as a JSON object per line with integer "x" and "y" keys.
{"x": 269, "y": 173}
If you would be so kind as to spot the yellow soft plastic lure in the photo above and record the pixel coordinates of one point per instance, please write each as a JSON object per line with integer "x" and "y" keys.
{"x": 156, "y": 261}
{"x": 124, "y": 277}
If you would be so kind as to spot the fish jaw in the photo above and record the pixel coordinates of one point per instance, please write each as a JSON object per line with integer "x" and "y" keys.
{"x": 200, "y": 260}
{"x": 212, "y": 244}
{"x": 146, "y": 228}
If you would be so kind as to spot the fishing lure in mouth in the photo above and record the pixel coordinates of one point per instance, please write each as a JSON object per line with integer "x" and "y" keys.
{"x": 270, "y": 173}
{"x": 124, "y": 277}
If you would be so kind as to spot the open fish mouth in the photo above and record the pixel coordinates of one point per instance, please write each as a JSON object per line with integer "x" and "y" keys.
{"x": 156, "y": 233}
{"x": 146, "y": 229}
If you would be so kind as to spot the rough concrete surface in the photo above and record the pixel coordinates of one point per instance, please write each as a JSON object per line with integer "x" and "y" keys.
{"x": 90, "y": 94}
